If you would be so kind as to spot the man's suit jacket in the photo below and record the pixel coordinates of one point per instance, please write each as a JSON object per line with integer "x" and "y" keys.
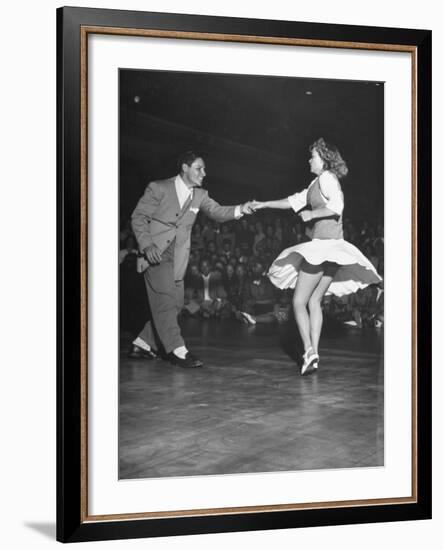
{"x": 158, "y": 219}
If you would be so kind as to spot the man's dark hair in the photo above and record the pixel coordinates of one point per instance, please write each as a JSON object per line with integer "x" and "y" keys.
{"x": 187, "y": 158}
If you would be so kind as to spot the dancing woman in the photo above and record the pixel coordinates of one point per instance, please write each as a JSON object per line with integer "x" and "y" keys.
{"x": 327, "y": 264}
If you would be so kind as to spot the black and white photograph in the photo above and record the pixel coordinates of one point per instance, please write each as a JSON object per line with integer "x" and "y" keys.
{"x": 251, "y": 274}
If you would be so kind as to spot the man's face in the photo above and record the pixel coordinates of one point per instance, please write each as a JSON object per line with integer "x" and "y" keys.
{"x": 195, "y": 174}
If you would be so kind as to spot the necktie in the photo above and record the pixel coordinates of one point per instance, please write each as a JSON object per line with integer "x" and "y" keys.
{"x": 188, "y": 201}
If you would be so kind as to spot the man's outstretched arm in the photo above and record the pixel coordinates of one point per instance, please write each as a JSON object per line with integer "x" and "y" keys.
{"x": 224, "y": 213}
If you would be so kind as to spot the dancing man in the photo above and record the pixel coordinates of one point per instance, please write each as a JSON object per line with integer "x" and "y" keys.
{"x": 162, "y": 222}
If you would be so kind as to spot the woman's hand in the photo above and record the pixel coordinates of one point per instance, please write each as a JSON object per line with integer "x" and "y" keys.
{"x": 306, "y": 215}
{"x": 257, "y": 205}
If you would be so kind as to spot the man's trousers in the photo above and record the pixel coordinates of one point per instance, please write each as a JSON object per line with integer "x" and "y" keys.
{"x": 166, "y": 299}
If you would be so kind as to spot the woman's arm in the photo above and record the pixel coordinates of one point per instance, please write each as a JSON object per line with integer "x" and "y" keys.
{"x": 282, "y": 204}
{"x": 296, "y": 202}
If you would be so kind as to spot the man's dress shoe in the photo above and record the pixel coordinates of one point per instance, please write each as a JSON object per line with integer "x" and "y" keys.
{"x": 189, "y": 362}
{"x": 136, "y": 352}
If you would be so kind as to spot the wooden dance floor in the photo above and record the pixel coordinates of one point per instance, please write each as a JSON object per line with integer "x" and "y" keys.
{"x": 248, "y": 409}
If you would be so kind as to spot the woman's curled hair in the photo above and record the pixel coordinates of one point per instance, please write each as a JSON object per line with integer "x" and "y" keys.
{"x": 331, "y": 157}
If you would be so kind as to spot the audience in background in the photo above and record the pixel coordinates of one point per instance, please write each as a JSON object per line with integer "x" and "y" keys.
{"x": 226, "y": 276}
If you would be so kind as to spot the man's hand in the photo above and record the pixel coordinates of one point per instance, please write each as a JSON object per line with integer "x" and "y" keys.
{"x": 257, "y": 205}
{"x": 247, "y": 208}
{"x": 153, "y": 254}
{"x": 306, "y": 215}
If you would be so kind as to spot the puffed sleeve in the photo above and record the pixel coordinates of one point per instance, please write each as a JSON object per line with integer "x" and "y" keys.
{"x": 332, "y": 193}
{"x": 298, "y": 200}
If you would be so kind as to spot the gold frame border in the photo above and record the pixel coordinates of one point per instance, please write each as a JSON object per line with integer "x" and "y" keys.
{"x": 84, "y": 32}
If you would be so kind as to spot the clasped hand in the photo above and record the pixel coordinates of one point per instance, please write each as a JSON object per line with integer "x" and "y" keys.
{"x": 251, "y": 206}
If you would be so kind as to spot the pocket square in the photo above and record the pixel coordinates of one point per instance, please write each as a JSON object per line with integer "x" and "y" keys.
{"x": 195, "y": 209}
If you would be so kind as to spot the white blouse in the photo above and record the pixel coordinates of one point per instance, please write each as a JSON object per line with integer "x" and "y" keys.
{"x": 330, "y": 190}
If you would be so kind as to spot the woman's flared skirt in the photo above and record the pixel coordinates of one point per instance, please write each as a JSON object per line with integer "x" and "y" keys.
{"x": 354, "y": 271}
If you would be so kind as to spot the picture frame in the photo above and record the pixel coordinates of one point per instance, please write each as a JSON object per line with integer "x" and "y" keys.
{"x": 75, "y": 212}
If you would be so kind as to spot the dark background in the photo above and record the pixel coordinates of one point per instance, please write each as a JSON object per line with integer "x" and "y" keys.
{"x": 254, "y": 133}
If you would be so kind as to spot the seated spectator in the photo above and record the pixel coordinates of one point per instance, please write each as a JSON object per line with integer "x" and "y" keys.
{"x": 235, "y": 289}
{"x": 193, "y": 258}
{"x": 197, "y": 241}
{"x": 278, "y": 231}
{"x": 229, "y": 280}
{"x": 338, "y": 308}
{"x": 229, "y": 274}
{"x": 244, "y": 236}
{"x": 226, "y": 235}
{"x": 379, "y": 319}
{"x": 192, "y": 274}
{"x": 286, "y": 232}
{"x": 226, "y": 251}
{"x": 258, "y": 237}
{"x": 217, "y": 229}
{"x": 272, "y": 247}
{"x": 211, "y": 248}
{"x": 258, "y": 293}
{"x": 210, "y": 292}
{"x": 280, "y": 313}
{"x": 220, "y": 266}
{"x": 367, "y": 307}
{"x": 237, "y": 252}
{"x": 243, "y": 259}
{"x": 233, "y": 261}
{"x": 270, "y": 232}
{"x": 191, "y": 303}
{"x": 208, "y": 232}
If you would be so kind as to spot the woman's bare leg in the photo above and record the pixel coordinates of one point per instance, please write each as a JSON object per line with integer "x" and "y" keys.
{"x": 308, "y": 278}
{"x": 315, "y": 310}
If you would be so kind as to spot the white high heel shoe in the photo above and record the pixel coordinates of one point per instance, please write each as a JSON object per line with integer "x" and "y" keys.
{"x": 310, "y": 362}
